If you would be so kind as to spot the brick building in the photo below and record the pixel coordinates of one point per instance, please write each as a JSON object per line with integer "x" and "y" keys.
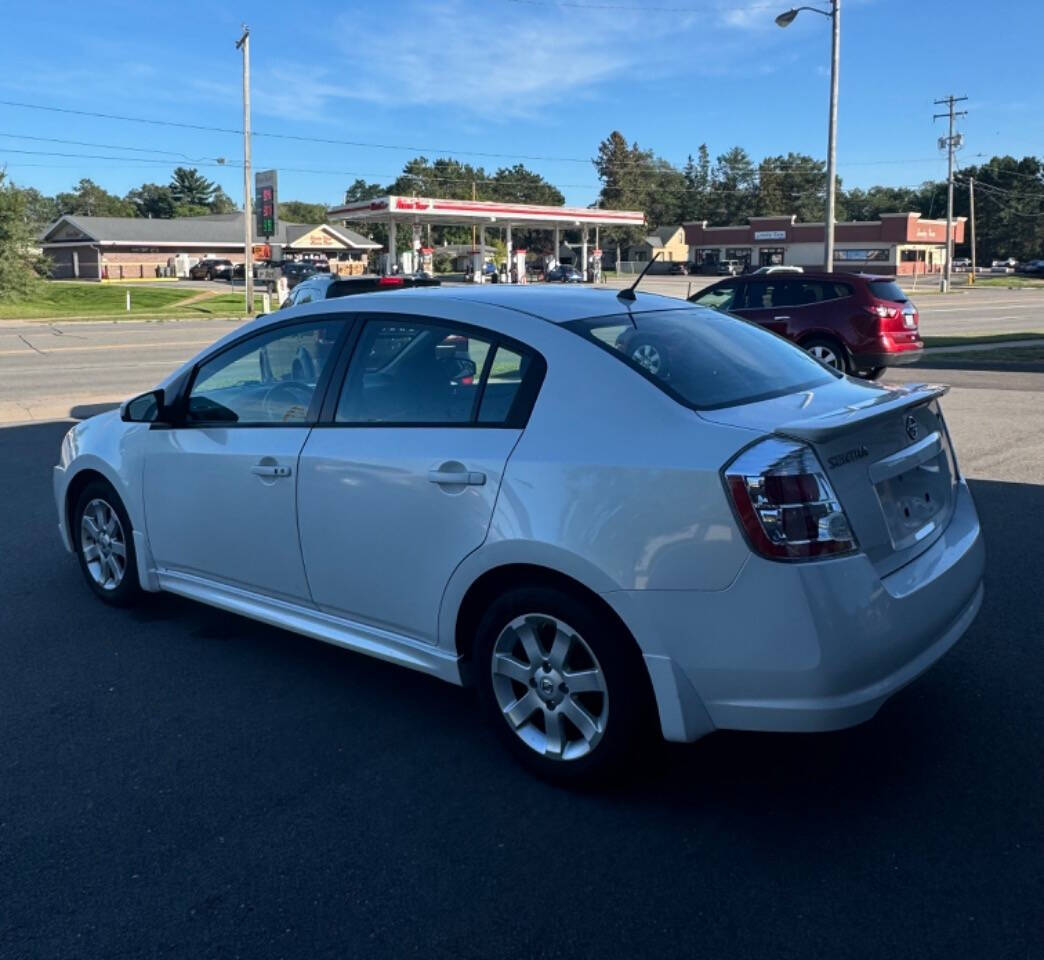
{"x": 898, "y": 243}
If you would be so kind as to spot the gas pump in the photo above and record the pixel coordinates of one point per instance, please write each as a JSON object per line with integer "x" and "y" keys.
{"x": 427, "y": 260}
{"x": 518, "y": 265}
{"x": 596, "y": 266}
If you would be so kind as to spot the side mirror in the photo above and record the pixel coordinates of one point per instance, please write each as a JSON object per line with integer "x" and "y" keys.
{"x": 148, "y": 408}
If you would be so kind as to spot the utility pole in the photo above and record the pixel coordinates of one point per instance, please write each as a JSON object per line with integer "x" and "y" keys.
{"x": 951, "y": 142}
{"x": 248, "y": 212}
{"x": 835, "y": 66}
{"x": 971, "y": 217}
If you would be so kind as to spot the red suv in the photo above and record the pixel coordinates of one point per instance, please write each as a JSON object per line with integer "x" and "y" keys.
{"x": 853, "y": 322}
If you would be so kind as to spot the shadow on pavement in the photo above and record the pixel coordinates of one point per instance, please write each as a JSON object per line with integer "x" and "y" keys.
{"x": 175, "y": 758}
{"x": 87, "y": 410}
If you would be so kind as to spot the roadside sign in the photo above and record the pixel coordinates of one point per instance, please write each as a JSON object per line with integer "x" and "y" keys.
{"x": 266, "y": 202}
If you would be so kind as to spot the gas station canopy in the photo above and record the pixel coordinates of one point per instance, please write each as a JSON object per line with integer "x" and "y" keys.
{"x": 416, "y": 211}
{"x": 478, "y": 212}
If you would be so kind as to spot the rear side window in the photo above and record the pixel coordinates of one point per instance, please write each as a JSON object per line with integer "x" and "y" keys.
{"x": 887, "y": 290}
{"x": 406, "y": 373}
{"x": 705, "y": 359}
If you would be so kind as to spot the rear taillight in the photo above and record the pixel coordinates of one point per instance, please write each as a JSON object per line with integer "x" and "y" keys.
{"x": 882, "y": 311}
{"x": 785, "y": 503}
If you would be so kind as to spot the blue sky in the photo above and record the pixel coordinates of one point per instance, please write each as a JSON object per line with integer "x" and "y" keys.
{"x": 521, "y": 78}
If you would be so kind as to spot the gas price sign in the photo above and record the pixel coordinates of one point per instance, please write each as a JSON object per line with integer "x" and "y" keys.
{"x": 266, "y": 202}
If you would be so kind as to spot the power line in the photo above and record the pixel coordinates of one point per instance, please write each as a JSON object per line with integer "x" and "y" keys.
{"x": 398, "y": 147}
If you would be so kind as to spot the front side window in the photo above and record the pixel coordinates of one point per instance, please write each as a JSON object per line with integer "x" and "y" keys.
{"x": 405, "y": 372}
{"x": 705, "y": 359}
{"x": 269, "y": 378}
{"x": 721, "y": 297}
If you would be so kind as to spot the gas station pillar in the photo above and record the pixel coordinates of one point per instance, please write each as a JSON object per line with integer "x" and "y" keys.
{"x": 392, "y": 249}
{"x": 480, "y": 275}
{"x": 508, "y": 243}
{"x": 558, "y": 247}
{"x": 583, "y": 255}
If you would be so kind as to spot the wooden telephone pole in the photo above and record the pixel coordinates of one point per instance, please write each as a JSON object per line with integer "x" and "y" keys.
{"x": 243, "y": 43}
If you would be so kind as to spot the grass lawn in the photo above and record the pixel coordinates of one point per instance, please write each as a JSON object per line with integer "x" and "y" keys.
{"x": 1010, "y": 281}
{"x": 62, "y": 299}
{"x": 973, "y": 357}
{"x": 970, "y": 340}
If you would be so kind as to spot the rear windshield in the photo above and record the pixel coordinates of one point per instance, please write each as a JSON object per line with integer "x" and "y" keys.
{"x": 705, "y": 359}
{"x": 887, "y": 290}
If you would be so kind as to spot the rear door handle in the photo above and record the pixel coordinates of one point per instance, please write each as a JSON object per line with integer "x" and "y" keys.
{"x": 269, "y": 470}
{"x": 470, "y": 478}
{"x": 781, "y": 318}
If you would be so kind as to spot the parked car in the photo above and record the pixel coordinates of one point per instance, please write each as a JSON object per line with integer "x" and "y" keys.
{"x": 780, "y": 268}
{"x": 210, "y": 269}
{"x": 483, "y": 522}
{"x": 324, "y": 286}
{"x": 855, "y": 323}
{"x": 676, "y": 269}
{"x": 961, "y": 264}
{"x": 297, "y": 270}
{"x": 1031, "y": 268}
{"x": 563, "y": 273}
{"x": 239, "y": 271}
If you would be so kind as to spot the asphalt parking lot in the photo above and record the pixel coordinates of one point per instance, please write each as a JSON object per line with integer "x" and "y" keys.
{"x": 177, "y": 781}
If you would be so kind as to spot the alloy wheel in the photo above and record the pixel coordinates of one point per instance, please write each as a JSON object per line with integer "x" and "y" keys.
{"x": 647, "y": 356}
{"x": 825, "y": 355}
{"x": 550, "y": 687}
{"x": 103, "y": 544}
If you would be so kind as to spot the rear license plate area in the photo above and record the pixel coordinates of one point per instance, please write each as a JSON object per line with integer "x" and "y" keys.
{"x": 914, "y": 501}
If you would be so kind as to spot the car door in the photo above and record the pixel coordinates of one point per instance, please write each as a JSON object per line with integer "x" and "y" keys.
{"x": 220, "y": 483}
{"x": 766, "y": 302}
{"x": 398, "y": 482}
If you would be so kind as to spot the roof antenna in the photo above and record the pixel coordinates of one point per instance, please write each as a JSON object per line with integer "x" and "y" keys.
{"x": 628, "y": 293}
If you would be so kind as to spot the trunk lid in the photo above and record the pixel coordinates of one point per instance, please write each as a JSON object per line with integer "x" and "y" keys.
{"x": 885, "y": 451}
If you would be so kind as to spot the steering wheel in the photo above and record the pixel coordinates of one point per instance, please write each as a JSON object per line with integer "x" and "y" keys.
{"x": 286, "y": 401}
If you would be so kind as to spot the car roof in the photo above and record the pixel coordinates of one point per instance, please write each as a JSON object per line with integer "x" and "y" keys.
{"x": 819, "y": 275}
{"x": 556, "y": 304}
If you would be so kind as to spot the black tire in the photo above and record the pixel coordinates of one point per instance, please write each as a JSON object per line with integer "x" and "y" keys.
{"x": 873, "y": 373}
{"x": 127, "y": 591}
{"x": 817, "y": 345}
{"x": 627, "y": 724}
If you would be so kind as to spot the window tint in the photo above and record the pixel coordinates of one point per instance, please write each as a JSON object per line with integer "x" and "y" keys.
{"x": 817, "y": 291}
{"x": 270, "y": 378}
{"x": 506, "y": 374}
{"x": 703, "y": 358}
{"x": 719, "y": 298}
{"x": 887, "y": 290}
{"x": 412, "y": 373}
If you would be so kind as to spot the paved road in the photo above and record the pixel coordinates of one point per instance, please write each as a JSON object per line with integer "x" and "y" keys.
{"x": 179, "y": 782}
{"x": 48, "y": 370}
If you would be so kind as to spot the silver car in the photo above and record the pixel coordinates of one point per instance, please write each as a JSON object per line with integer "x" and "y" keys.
{"x": 484, "y": 485}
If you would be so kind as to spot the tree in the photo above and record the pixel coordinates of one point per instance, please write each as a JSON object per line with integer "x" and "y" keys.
{"x": 21, "y": 265}
{"x": 90, "y": 200}
{"x": 732, "y": 188}
{"x": 40, "y": 210}
{"x": 794, "y": 184}
{"x": 297, "y": 211}
{"x": 221, "y": 202}
{"x": 621, "y": 169}
{"x": 191, "y": 188}
{"x": 153, "y": 200}
{"x": 697, "y": 174}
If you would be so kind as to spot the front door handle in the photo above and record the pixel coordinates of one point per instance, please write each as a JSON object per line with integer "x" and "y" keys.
{"x": 781, "y": 318}
{"x": 470, "y": 478}
{"x": 270, "y": 470}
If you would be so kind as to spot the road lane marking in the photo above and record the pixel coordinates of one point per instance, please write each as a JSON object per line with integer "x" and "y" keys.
{"x": 110, "y": 346}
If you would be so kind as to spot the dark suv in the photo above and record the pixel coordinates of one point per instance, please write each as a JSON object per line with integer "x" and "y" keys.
{"x": 325, "y": 286}
{"x": 854, "y": 322}
{"x": 210, "y": 269}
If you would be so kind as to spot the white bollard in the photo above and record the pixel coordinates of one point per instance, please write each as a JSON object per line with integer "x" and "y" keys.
{"x": 128, "y": 300}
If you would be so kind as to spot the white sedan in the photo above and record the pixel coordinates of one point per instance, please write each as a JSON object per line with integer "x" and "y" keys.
{"x": 484, "y": 485}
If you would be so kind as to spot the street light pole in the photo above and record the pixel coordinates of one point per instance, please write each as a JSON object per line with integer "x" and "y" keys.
{"x": 785, "y": 20}
{"x": 248, "y": 213}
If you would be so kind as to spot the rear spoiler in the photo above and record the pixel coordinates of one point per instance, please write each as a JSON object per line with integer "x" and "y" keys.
{"x": 895, "y": 399}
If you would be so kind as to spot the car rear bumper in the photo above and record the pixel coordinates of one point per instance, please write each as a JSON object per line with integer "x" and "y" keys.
{"x": 865, "y": 361}
{"x": 805, "y": 647}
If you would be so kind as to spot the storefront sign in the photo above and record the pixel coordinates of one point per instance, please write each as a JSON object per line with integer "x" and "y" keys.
{"x": 770, "y": 234}
{"x": 875, "y": 253}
